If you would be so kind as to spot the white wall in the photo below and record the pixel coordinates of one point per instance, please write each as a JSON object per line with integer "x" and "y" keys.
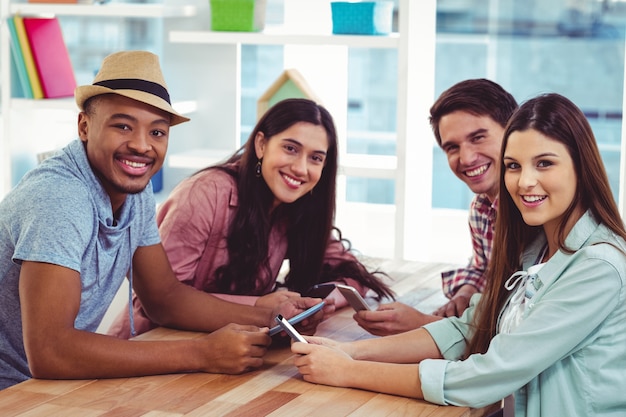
{"x": 370, "y": 228}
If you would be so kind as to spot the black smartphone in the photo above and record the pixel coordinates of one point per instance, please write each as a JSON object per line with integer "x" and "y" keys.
{"x": 320, "y": 290}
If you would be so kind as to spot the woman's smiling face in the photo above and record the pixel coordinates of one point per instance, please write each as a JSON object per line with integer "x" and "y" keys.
{"x": 540, "y": 177}
{"x": 292, "y": 160}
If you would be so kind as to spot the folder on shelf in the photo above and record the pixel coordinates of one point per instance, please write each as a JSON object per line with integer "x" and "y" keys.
{"x": 51, "y": 57}
{"x": 17, "y": 89}
{"x": 17, "y": 59}
{"x": 29, "y": 62}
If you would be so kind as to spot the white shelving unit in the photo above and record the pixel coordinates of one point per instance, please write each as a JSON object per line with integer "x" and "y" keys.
{"x": 138, "y": 10}
{"x": 203, "y": 68}
{"x": 322, "y": 58}
{"x": 279, "y": 35}
{"x": 10, "y": 104}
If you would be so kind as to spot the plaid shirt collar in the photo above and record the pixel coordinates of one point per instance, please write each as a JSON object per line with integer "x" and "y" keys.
{"x": 484, "y": 204}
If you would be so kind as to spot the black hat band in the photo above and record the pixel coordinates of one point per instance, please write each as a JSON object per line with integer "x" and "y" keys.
{"x": 138, "y": 85}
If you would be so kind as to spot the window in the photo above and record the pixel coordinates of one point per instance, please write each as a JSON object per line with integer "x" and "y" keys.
{"x": 572, "y": 48}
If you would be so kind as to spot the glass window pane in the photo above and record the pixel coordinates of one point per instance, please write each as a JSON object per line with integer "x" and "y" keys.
{"x": 370, "y": 190}
{"x": 261, "y": 65}
{"x": 571, "y": 48}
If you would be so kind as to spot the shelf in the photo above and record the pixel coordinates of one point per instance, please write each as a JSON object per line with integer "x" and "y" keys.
{"x": 103, "y": 10}
{"x": 353, "y": 165}
{"x": 183, "y": 107}
{"x": 197, "y": 158}
{"x": 43, "y": 104}
{"x": 213, "y": 78}
{"x": 368, "y": 166}
{"x": 277, "y": 35}
{"x": 60, "y": 110}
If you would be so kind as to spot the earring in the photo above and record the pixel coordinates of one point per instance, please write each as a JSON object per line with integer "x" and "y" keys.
{"x": 257, "y": 168}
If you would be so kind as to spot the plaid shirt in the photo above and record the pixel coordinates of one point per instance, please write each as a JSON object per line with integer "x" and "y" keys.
{"x": 482, "y": 221}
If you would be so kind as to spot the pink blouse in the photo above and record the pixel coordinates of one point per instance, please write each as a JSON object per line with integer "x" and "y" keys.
{"x": 193, "y": 223}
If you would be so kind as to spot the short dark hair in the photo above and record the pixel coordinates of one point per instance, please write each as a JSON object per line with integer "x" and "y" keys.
{"x": 479, "y": 96}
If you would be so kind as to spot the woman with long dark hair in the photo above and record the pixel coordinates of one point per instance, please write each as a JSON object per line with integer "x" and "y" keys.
{"x": 228, "y": 228}
{"x": 550, "y": 326}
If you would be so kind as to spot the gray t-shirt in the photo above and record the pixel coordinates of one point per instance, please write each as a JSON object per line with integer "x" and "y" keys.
{"x": 59, "y": 213}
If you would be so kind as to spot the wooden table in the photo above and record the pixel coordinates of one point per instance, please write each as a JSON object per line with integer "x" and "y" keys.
{"x": 275, "y": 390}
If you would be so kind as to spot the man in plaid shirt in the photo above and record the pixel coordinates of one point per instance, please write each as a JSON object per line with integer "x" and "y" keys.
{"x": 468, "y": 121}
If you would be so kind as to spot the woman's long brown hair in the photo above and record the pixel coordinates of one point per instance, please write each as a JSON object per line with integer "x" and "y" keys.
{"x": 309, "y": 219}
{"x": 557, "y": 118}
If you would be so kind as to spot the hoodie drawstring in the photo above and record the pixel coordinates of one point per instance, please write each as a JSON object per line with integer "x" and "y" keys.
{"x": 130, "y": 288}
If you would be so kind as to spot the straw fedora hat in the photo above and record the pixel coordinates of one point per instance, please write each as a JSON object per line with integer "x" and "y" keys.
{"x": 132, "y": 74}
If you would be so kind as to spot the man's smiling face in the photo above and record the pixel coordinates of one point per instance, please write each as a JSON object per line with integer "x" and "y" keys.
{"x": 472, "y": 145}
{"x": 126, "y": 142}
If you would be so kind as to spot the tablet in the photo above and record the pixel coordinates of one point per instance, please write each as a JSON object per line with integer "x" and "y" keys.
{"x": 298, "y": 318}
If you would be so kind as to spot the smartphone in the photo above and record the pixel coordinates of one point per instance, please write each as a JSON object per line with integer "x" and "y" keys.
{"x": 353, "y": 297}
{"x": 299, "y": 317}
{"x": 320, "y": 290}
{"x": 284, "y": 324}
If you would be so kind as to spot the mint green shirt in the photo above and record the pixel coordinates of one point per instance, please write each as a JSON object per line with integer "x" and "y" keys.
{"x": 567, "y": 357}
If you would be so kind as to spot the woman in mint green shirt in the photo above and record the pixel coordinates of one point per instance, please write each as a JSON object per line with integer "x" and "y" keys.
{"x": 554, "y": 335}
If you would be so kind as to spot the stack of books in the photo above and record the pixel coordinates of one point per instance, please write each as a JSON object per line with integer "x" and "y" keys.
{"x": 40, "y": 58}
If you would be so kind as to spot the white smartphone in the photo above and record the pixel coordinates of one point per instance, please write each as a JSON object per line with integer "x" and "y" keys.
{"x": 288, "y": 328}
{"x": 299, "y": 317}
{"x": 353, "y": 297}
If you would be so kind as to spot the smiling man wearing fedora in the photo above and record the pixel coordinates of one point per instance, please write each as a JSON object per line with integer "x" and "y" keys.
{"x": 82, "y": 221}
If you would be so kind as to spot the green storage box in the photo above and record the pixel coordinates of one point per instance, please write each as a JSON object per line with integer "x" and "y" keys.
{"x": 238, "y": 15}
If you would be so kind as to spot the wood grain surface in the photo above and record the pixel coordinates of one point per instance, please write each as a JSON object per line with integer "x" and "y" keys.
{"x": 276, "y": 390}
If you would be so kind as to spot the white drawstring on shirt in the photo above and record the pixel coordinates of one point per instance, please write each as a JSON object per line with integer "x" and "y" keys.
{"x": 525, "y": 288}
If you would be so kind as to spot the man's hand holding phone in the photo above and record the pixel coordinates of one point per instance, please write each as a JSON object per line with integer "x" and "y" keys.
{"x": 306, "y": 315}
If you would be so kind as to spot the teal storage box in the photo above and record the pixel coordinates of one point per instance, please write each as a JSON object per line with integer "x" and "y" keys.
{"x": 362, "y": 18}
{"x": 238, "y": 15}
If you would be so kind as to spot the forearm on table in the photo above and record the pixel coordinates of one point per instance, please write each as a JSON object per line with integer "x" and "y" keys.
{"x": 76, "y": 354}
{"x": 248, "y": 300}
{"x": 389, "y": 378}
{"x": 190, "y": 309}
{"x": 408, "y": 347}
